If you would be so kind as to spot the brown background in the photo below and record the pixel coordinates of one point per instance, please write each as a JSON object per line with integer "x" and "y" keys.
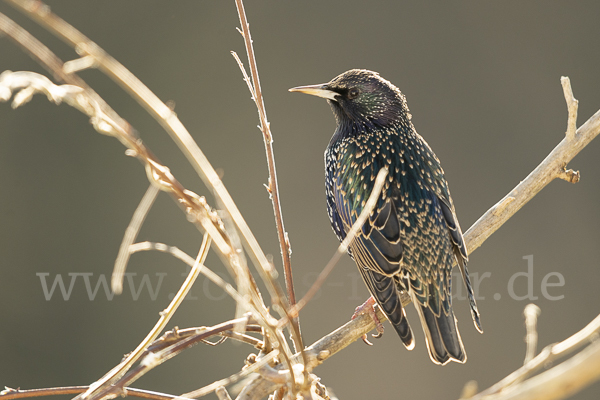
{"x": 482, "y": 81}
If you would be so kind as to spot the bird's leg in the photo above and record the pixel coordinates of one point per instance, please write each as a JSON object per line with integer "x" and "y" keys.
{"x": 368, "y": 307}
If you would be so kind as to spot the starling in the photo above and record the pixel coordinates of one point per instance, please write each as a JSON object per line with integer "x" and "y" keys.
{"x": 412, "y": 239}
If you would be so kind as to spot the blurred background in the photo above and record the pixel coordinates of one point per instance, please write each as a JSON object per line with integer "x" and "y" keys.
{"x": 482, "y": 80}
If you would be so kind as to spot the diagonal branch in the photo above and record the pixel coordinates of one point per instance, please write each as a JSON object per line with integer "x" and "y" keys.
{"x": 553, "y": 166}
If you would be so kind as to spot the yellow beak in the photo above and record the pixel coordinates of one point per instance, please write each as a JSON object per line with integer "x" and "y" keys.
{"x": 316, "y": 90}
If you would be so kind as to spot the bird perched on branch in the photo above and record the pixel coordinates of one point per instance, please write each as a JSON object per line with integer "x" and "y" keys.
{"x": 412, "y": 239}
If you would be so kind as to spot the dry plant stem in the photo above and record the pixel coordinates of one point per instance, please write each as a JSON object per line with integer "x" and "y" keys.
{"x": 295, "y": 324}
{"x": 11, "y": 394}
{"x": 11, "y": 81}
{"x": 222, "y": 394}
{"x": 532, "y": 312}
{"x": 176, "y": 335}
{"x": 106, "y": 121}
{"x": 130, "y": 235}
{"x": 152, "y": 359}
{"x": 177, "y": 253}
{"x": 343, "y": 247}
{"x": 268, "y": 139}
{"x": 549, "y": 354}
{"x": 559, "y": 382}
{"x": 40, "y": 13}
{"x": 273, "y": 188}
{"x": 233, "y": 378}
{"x": 553, "y": 166}
{"x": 572, "y": 105}
{"x": 118, "y": 371}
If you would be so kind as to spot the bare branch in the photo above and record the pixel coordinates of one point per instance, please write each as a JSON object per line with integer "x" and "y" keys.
{"x": 130, "y": 235}
{"x": 559, "y": 382}
{"x": 10, "y": 394}
{"x": 553, "y": 166}
{"x": 273, "y": 187}
{"x": 343, "y": 247}
{"x": 531, "y": 313}
{"x": 106, "y": 121}
{"x": 177, "y": 253}
{"x": 152, "y": 359}
{"x": 264, "y": 361}
{"x": 104, "y": 383}
{"x": 572, "y": 105}
{"x": 547, "y": 355}
{"x": 222, "y": 393}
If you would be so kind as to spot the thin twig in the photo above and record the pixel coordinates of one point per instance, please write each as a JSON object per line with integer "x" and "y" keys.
{"x": 176, "y": 335}
{"x": 152, "y": 359}
{"x": 531, "y": 313}
{"x": 273, "y": 188}
{"x": 11, "y": 394}
{"x": 130, "y": 235}
{"x": 572, "y": 105}
{"x": 343, "y": 247}
{"x": 559, "y": 382}
{"x": 222, "y": 394}
{"x": 181, "y": 255}
{"x": 264, "y": 361}
{"x": 115, "y": 373}
{"x": 549, "y": 354}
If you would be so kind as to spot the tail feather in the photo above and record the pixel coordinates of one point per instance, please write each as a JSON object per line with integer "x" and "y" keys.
{"x": 441, "y": 335}
{"x": 386, "y": 294}
{"x": 472, "y": 304}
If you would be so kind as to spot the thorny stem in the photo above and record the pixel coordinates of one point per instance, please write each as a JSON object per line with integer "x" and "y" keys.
{"x": 273, "y": 188}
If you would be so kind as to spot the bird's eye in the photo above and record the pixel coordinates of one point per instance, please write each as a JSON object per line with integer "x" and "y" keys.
{"x": 353, "y": 93}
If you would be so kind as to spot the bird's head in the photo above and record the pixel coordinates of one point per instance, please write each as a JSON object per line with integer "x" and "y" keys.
{"x": 361, "y": 97}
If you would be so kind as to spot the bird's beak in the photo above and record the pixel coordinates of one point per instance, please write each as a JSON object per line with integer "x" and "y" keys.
{"x": 316, "y": 90}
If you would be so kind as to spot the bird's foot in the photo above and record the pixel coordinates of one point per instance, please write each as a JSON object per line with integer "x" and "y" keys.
{"x": 368, "y": 307}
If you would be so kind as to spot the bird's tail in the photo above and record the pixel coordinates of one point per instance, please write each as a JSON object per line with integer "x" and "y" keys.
{"x": 385, "y": 292}
{"x": 441, "y": 334}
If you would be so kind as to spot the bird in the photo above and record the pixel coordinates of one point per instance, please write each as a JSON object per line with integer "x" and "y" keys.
{"x": 411, "y": 239}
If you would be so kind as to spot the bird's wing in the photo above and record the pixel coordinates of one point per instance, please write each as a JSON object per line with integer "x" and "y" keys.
{"x": 460, "y": 249}
{"x": 377, "y": 246}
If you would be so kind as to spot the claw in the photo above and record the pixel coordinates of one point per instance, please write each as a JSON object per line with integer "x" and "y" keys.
{"x": 368, "y": 307}
{"x": 364, "y": 339}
